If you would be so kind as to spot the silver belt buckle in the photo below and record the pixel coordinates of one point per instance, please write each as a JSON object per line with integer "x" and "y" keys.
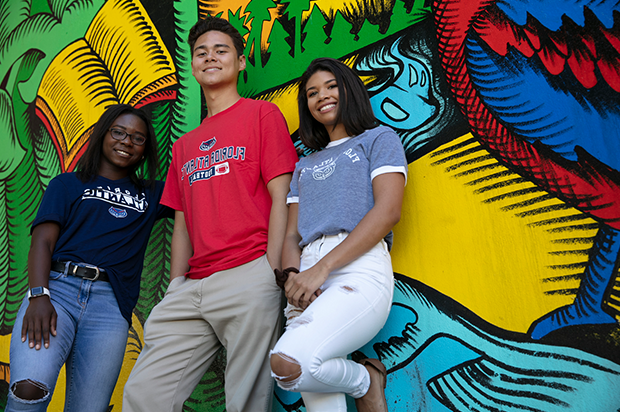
{"x": 96, "y": 272}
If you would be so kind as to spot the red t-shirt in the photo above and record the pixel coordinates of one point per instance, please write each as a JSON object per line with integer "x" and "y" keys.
{"x": 218, "y": 177}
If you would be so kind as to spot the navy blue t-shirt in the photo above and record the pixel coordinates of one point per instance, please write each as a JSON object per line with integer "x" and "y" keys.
{"x": 106, "y": 223}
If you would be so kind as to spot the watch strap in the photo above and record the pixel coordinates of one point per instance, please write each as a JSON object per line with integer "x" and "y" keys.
{"x": 38, "y": 291}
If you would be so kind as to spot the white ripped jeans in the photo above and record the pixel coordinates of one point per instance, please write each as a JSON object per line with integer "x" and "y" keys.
{"x": 352, "y": 308}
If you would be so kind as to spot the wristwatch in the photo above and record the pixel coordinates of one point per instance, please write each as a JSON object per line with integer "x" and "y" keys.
{"x": 38, "y": 291}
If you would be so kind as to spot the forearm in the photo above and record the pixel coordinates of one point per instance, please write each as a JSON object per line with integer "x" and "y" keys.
{"x": 275, "y": 237}
{"x": 43, "y": 242}
{"x": 181, "y": 249}
{"x": 291, "y": 252}
{"x": 278, "y": 188}
{"x": 39, "y": 265}
{"x": 40, "y": 318}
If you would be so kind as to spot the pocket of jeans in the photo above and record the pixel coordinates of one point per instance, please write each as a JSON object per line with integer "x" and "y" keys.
{"x": 306, "y": 262}
{"x": 267, "y": 264}
{"x": 174, "y": 283}
{"x": 380, "y": 252}
{"x": 304, "y": 252}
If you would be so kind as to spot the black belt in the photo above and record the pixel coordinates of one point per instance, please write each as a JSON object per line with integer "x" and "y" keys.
{"x": 86, "y": 272}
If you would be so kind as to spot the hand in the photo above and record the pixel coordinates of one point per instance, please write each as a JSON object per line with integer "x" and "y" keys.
{"x": 301, "y": 289}
{"x": 39, "y": 321}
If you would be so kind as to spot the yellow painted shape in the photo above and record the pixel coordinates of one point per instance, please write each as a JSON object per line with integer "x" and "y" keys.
{"x": 5, "y": 345}
{"x": 327, "y": 6}
{"x": 487, "y": 259}
{"x": 57, "y": 404}
{"x": 74, "y": 105}
{"x": 286, "y": 98}
{"x": 331, "y": 6}
{"x": 215, "y": 8}
{"x": 135, "y": 343}
{"x": 142, "y": 60}
{"x": 116, "y": 62}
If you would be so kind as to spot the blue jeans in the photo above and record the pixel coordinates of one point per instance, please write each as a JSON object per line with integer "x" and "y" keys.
{"x": 91, "y": 338}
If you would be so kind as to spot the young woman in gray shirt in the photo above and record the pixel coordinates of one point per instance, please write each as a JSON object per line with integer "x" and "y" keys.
{"x": 344, "y": 200}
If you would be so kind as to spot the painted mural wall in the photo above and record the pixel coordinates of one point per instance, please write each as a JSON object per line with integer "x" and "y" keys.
{"x": 506, "y": 257}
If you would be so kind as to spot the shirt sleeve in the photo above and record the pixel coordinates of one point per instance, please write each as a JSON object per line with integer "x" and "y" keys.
{"x": 293, "y": 194}
{"x": 277, "y": 151}
{"x": 162, "y": 210}
{"x": 172, "y": 192}
{"x": 55, "y": 205}
{"x": 387, "y": 155}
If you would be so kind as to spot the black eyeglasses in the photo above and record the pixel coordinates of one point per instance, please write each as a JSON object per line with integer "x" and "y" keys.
{"x": 120, "y": 135}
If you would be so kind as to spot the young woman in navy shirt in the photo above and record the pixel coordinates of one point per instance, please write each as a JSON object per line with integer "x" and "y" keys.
{"x": 84, "y": 266}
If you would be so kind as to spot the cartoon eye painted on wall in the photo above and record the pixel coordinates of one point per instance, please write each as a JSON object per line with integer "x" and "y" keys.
{"x": 402, "y": 100}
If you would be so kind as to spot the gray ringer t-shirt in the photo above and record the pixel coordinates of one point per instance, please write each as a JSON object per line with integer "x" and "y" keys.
{"x": 334, "y": 185}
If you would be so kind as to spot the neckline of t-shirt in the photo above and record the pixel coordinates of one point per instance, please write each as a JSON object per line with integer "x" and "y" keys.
{"x": 237, "y": 103}
{"x": 338, "y": 142}
{"x": 117, "y": 181}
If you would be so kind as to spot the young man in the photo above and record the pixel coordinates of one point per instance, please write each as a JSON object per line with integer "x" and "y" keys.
{"x": 227, "y": 182}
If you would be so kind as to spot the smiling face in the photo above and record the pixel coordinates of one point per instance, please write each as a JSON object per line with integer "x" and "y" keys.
{"x": 215, "y": 62}
{"x": 119, "y": 157}
{"x": 323, "y": 97}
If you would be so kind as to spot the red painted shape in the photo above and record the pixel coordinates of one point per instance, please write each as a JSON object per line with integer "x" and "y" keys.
{"x": 586, "y": 184}
{"x": 582, "y": 64}
{"x": 53, "y": 136}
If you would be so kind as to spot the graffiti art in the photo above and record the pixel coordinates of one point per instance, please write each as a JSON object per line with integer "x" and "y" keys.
{"x": 508, "y": 249}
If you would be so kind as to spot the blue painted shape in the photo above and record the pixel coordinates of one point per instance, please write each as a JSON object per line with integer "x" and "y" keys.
{"x": 550, "y": 12}
{"x": 556, "y": 110}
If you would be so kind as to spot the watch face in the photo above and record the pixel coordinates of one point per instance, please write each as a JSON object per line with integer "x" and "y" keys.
{"x": 36, "y": 291}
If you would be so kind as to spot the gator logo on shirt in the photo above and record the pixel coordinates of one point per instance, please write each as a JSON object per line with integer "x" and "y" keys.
{"x": 324, "y": 170}
{"x": 118, "y": 213}
{"x": 208, "y": 144}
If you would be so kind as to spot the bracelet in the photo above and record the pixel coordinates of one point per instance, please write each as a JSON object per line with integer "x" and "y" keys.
{"x": 282, "y": 275}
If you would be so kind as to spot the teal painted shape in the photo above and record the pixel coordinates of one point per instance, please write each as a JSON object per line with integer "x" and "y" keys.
{"x": 440, "y": 357}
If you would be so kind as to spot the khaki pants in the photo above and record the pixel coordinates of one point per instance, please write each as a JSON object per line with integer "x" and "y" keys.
{"x": 237, "y": 308}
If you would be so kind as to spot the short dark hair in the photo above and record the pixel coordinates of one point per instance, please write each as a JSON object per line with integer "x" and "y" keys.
{"x": 215, "y": 23}
{"x": 88, "y": 166}
{"x": 354, "y": 109}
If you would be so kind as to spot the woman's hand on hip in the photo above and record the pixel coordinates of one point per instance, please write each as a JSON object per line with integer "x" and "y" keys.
{"x": 39, "y": 321}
